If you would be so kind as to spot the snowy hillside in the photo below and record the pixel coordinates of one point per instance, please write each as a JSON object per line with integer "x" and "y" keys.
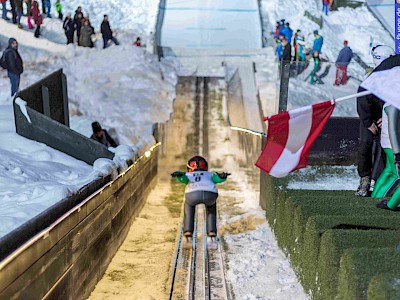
{"x": 124, "y": 88}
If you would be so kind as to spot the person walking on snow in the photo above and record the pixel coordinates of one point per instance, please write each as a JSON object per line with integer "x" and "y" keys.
{"x": 13, "y": 64}
{"x": 325, "y": 6}
{"x": 342, "y": 61}
{"x": 4, "y": 10}
{"x": 107, "y": 33}
{"x": 59, "y": 9}
{"x": 200, "y": 189}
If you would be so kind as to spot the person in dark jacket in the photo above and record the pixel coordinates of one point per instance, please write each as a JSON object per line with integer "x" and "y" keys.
{"x": 107, "y": 33}
{"x": 78, "y": 21}
{"x": 14, "y": 64}
{"x": 287, "y": 50}
{"x": 69, "y": 28}
{"x": 369, "y": 109}
{"x": 101, "y": 135}
{"x": 13, "y": 11}
{"x": 342, "y": 61}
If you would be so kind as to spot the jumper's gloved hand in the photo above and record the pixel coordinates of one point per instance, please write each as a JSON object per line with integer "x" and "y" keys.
{"x": 223, "y": 175}
{"x": 177, "y": 174}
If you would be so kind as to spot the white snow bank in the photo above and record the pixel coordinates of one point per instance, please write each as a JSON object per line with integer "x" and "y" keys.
{"x": 33, "y": 176}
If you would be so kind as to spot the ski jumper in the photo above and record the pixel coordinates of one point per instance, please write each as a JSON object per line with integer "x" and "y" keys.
{"x": 200, "y": 189}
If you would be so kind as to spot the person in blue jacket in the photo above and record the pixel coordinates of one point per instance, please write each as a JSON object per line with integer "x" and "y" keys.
{"x": 318, "y": 42}
{"x": 279, "y": 47}
{"x": 281, "y": 26}
{"x": 287, "y": 32}
{"x": 342, "y": 61}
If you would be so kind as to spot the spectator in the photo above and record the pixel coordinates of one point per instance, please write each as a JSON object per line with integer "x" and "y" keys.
{"x": 13, "y": 12}
{"x": 69, "y": 28}
{"x": 279, "y": 47}
{"x": 37, "y": 17}
{"x": 29, "y": 13}
{"x": 85, "y": 40}
{"x": 325, "y": 6}
{"x": 59, "y": 9}
{"x": 43, "y": 7}
{"x": 287, "y": 32}
{"x": 287, "y": 50}
{"x": 318, "y": 42}
{"x": 4, "y": 10}
{"x": 276, "y": 34}
{"x": 101, "y": 135}
{"x": 47, "y": 3}
{"x": 78, "y": 21}
{"x": 107, "y": 33}
{"x": 150, "y": 42}
{"x": 281, "y": 26}
{"x": 14, "y": 64}
{"x": 137, "y": 43}
{"x": 299, "y": 46}
{"x": 369, "y": 109}
{"x": 342, "y": 61}
{"x": 18, "y": 8}
{"x": 314, "y": 77}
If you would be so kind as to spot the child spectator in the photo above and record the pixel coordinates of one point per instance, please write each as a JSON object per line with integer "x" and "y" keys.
{"x": 137, "y": 43}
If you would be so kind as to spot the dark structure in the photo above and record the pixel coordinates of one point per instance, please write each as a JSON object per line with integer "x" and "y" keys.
{"x": 47, "y": 119}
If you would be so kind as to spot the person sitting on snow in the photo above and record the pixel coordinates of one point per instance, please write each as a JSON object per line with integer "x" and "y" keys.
{"x": 101, "y": 135}
{"x": 200, "y": 189}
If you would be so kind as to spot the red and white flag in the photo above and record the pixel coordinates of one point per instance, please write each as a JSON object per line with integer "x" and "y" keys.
{"x": 290, "y": 136}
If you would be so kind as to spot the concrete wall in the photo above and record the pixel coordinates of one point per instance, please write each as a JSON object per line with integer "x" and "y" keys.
{"x": 68, "y": 258}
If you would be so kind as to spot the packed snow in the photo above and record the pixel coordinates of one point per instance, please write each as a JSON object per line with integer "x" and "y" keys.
{"x": 34, "y": 176}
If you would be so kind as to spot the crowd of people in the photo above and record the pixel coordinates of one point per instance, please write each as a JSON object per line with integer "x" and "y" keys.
{"x": 285, "y": 38}
{"x": 32, "y": 12}
{"x": 76, "y": 28}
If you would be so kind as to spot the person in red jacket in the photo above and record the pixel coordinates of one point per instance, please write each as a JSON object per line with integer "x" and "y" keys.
{"x": 4, "y": 10}
{"x": 37, "y": 17}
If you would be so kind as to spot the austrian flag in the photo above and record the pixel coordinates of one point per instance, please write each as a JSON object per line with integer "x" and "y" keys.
{"x": 290, "y": 136}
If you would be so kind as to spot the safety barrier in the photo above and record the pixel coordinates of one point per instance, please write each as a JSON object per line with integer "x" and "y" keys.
{"x": 66, "y": 259}
{"x": 45, "y": 118}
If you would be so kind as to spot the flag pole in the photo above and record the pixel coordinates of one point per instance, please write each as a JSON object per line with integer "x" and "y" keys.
{"x": 352, "y": 96}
